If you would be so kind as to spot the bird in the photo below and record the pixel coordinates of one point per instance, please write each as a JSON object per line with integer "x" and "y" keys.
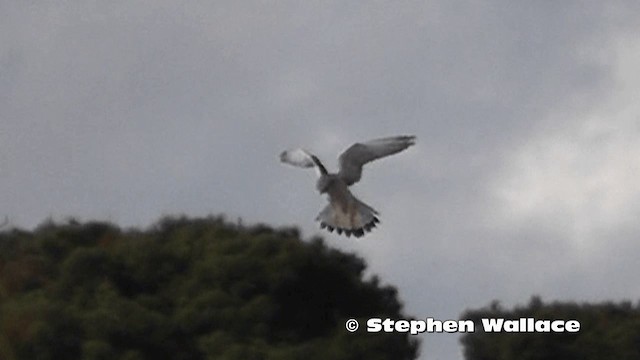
{"x": 345, "y": 213}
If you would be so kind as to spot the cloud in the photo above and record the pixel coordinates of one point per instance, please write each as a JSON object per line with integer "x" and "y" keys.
{"x": 570, "y": 191}
{"x": 583, "y": 175}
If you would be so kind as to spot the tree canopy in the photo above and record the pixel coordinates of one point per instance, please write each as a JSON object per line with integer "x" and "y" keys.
{"x": 607, "y": 331}
{"x": 187, "y": 289}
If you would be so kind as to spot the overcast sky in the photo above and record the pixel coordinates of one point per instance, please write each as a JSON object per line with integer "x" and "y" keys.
{"x": 524, "y": 180}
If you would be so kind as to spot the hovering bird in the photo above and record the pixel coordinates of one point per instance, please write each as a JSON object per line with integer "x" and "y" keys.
{"x": 346, "y": 213}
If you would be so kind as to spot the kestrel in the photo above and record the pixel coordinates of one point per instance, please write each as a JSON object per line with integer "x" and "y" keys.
{"x": 346, "y": 213}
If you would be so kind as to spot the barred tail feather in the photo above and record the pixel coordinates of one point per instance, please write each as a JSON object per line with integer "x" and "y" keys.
{"x": 358, "y": 218}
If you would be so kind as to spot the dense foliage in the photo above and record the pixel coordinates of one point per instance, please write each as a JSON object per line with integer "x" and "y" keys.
{"x": 186, "y": 289}
{"x": 607, "y": 331}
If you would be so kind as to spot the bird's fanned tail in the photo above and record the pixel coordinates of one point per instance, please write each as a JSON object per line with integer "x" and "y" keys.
{"x": 356, "y": 219}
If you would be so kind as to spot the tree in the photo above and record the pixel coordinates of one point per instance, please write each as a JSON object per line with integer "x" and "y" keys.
{"x": 187, "y": 289}
{"x": 607, "y": 331}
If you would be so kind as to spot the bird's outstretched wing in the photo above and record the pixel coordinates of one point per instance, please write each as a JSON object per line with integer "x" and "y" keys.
{"x": 302, "y": 158}
{"x": 352, "y": 160}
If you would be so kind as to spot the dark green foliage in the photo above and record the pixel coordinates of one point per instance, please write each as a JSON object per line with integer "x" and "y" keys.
{"x": 186, "y": 289}
{"x": 608, "y": 331}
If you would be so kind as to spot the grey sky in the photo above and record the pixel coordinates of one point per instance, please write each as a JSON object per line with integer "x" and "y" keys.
{"x": 523, "y": 181}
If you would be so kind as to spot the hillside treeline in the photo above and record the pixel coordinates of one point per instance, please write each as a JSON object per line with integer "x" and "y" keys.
{"x": 187, "y": 289}
{"x": 608, "y": 331}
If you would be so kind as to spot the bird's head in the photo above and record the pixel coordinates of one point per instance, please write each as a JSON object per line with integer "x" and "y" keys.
{"x": 323, "y": 184}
